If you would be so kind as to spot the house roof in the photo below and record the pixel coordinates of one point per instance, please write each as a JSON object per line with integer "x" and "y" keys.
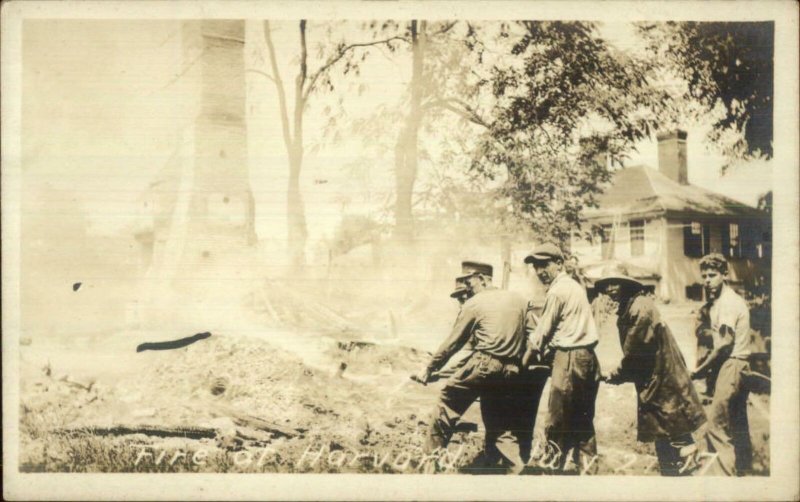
{"x": 643, "y": 191}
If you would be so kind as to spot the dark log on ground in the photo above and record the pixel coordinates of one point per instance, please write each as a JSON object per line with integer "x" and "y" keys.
{"x": 173, "y": 344}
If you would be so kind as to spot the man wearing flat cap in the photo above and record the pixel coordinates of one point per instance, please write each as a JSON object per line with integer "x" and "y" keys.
{"x": 727, "y": 327}
{"x": 567, "y": 327}
{"x": 669, "y": 410}
{"x": 491, "y": 321}
{"x": 461, "y": 292}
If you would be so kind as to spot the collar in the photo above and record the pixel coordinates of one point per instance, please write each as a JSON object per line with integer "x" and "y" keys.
{"x": 627, "y": 307}
{"x": 725, "y": 290}
{"x": 561, "y": 275}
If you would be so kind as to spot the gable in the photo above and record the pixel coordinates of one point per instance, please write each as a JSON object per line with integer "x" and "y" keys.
{"x": 643, "y": 191}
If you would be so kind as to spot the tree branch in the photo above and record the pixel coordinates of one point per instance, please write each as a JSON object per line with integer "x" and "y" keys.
{"x": 287, "y": 137}
{"x": 462, "y": 109}
{"x": 444, "y": 29}
{"x": 339, "y": 55}
{"x": 259, "y": 72}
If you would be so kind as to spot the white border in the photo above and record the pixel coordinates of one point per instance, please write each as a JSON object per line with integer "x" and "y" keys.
{"x": 781, "y": 485}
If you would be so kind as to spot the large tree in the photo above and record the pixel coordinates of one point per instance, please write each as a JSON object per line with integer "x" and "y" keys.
{"x": 518, "y": 115}
{"x": 433, "y": 56}
{"x": 341, "y": 56}
{"x": 728, "y": 65}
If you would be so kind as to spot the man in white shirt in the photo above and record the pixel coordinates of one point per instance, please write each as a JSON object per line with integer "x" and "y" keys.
{"x": 729, "y": 327}
{"x": 567, "y": 327}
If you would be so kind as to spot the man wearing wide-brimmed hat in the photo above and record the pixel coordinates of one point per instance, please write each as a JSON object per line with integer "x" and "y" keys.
{"x": 567, "y": 327}
{"x": 491, "y": 321}
{"x": 669, "y": 410}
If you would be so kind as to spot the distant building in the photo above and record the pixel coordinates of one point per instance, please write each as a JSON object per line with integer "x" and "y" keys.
{"x": 198, "y": 245}
{"x": 659, "y": 226}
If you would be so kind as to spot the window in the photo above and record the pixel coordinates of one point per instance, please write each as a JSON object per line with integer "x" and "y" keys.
{"x": 731, "y": 241}
{"x": 696, "y": 239}
{"x": 607, "y": 241}
{"x": 637, "y": 237}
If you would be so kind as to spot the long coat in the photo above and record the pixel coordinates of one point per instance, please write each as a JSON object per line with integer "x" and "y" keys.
{"x": 668, "y": 403}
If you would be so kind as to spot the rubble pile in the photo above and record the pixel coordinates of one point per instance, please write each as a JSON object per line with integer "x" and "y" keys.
{"x": 234, "y": 394}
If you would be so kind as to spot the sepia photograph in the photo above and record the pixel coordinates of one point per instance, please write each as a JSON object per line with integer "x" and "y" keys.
{"x": 372, "y": 240}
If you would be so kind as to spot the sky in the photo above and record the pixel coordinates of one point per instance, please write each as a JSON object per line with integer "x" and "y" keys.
{"x": 103, "y": 107}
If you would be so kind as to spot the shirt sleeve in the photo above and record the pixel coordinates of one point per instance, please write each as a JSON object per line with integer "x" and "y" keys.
{"x": 462, "y": 329}
{"x": 530, "y": 319}
{"x": 743, "y": 321}
{"x": 639, "y": 333}
{"x": 543, "y": 331}
{"x": 729, "y": 314}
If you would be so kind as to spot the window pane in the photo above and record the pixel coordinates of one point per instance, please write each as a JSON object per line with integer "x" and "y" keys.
{"x": 637, "y": 237}
{"x": 693, "y": 239}
{"x": 606, "y": 244}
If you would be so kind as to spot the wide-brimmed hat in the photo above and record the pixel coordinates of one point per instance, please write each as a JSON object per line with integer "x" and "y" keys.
{"x": 545, "y": 252}
{"x": 616, "y": 274}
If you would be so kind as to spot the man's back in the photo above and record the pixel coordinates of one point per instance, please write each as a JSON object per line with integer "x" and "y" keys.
{"x": 498, "y": 318}
{"x": 569, "y": 314}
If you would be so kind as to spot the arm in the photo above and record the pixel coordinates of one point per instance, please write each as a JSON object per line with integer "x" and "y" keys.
{"x": 543, "y": 330}
{"x": 458, "y": 337}
{"x": 702, "y": 328}
{"x": 638, "y": 338}
{"x": 531, "y": 321}
{"x": 723, "y": 345}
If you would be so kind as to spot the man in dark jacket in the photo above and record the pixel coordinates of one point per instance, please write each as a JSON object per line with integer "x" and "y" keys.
{"x": 669, "y": 410}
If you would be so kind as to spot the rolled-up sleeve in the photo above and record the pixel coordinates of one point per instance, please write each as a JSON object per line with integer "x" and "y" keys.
{"x": 458, "y": 337}
{"x": 543, "y": 331}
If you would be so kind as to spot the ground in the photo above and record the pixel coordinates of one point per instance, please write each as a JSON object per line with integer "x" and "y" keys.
{"x": 279, "y": 400}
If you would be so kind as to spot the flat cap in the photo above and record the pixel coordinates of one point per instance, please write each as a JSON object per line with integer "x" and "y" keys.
{"x": 470, "y": 268}
{"x": 545, "y": 252}
{"x": 460, "y": 289}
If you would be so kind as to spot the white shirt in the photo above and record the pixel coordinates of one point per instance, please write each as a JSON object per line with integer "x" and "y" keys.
{"x": 567, "y": 320}
{"x": 730, "y": 309}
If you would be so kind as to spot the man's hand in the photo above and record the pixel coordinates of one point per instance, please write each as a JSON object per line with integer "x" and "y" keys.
{"x": 531, "y": 356}
{"x": 423, "y": 376}
{"x": 612, "y": 377}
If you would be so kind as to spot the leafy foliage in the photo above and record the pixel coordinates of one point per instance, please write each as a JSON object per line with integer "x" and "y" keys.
{"x": 564, "y": 105}
{"x": 727, "y": 64}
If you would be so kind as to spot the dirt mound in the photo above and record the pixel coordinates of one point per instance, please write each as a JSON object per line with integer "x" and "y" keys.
{"x": 234, "y": 394}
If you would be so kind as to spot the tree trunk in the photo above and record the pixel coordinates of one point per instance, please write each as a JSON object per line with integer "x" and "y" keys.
{"x": 296, "y": 212}
{"x": 406, "y": 155}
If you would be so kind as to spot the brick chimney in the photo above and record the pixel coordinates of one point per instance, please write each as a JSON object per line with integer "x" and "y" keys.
{"x": 672, "y": 156}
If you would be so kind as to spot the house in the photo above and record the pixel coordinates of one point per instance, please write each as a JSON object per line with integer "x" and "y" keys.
{"x": 659, "y": 225}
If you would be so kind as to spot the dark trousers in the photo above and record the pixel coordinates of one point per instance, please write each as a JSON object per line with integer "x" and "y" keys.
{"x": 573, "y": 390}
{"x": 526, "y": 395}
{"x": 674, "y": 453}
{"x": 490, "y": 379}
{"x": 729, "y": 430}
